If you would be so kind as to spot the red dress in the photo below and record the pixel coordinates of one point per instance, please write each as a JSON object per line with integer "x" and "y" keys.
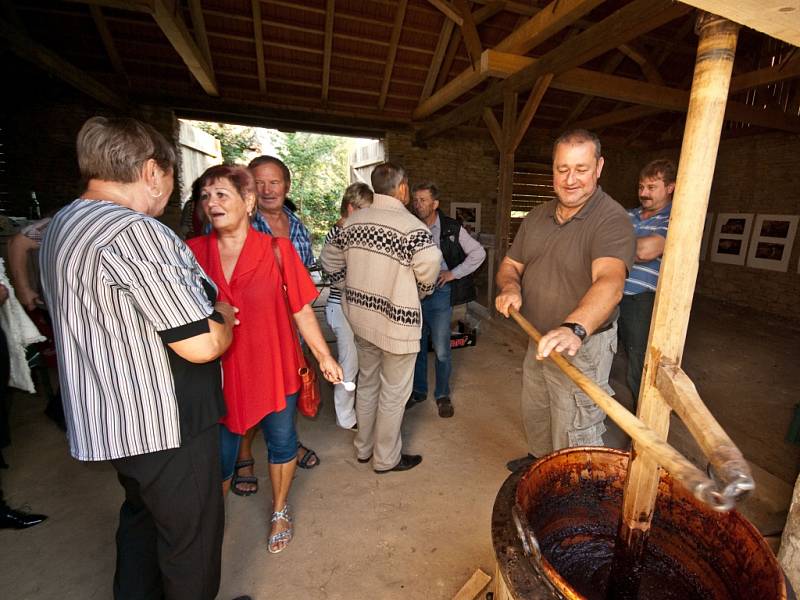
{"x": 260, "y": 366}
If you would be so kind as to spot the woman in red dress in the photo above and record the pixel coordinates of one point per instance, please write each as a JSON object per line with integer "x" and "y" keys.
{"x": 261, "y": 383}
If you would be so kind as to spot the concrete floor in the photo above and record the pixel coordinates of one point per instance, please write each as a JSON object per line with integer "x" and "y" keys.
{"x": 419, "y": 534}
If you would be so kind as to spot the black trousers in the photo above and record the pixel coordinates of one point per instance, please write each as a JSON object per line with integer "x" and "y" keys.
{"x": 169, "y": 541}
{"x": 635, "y": 313}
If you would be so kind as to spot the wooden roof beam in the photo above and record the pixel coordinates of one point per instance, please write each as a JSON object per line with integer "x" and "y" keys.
{"x": 258, "y": 33}
{"x": 399, "y": 16}
{"x": 631, "y": 21}
{"x": 449, "y": 11}
{"x": 609, "y": 66}
{"x": 108, "y": 41}
{"x": 547, "y": 22}
{"x": 529, "y": 110}
{"x": 479, "y": 16}
{"x": 330, "y": 8}
{"x": 438, "y": 56}
{"x": 47, "y": 60}
{"x": 199, "y": 26}
{"x": 469, "y": 32}
{"x": 645, "y": 64}
{"x": 167, "y": 15}
{"x": 777, "y": 18}
{"x": 618, "y": 116}
{"x": 786, "y": 70}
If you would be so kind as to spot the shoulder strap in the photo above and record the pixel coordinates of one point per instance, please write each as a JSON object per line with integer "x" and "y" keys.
{"x": 284, "y": 291}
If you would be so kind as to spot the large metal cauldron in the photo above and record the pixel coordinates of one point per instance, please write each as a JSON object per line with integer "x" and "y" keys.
{"x": 567, "y": 506}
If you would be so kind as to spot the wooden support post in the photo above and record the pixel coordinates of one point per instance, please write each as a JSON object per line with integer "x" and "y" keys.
{"x": 505, "y": 186}
{"x": 712, "y": 74}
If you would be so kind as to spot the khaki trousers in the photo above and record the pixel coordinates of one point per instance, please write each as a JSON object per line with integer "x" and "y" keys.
{"x": 556, "y": 414}
{"x": 384, "y": 385}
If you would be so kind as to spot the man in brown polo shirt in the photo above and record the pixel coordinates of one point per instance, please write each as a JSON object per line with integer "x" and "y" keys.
{"x": 565, "y": 273}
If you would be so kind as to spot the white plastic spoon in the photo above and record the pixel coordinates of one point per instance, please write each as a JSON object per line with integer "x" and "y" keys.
{"x": 348, "y": 385}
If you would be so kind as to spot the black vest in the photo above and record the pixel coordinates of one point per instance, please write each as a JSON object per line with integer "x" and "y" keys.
{"x": 461, "y": 290}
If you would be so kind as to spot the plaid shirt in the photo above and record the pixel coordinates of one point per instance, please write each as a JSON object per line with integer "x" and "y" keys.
{"x": 298, "y": 234}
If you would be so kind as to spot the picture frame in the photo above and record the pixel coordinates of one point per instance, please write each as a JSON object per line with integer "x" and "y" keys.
{"x": 706, "y": 235}
{"x": 731, "y": 234}
{"x": 772, "y": 241}
{"x": 468, "y": 214}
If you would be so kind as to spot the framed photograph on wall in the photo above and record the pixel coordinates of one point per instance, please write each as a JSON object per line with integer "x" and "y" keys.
{"x": 731, "y": 233}
{"x": 771, "y": 244}
{"x": 468, "y": 214}
{"x": 706, "y": 235}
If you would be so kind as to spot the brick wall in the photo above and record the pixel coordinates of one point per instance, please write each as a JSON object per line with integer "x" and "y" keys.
{"x": 40, "y": 128}
{"x": 754, "y": 174}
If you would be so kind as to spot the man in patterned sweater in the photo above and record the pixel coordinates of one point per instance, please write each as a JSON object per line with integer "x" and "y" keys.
{"x": 385, "y": 260}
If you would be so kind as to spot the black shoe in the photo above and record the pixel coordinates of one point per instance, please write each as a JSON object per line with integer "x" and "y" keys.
{"x": 521, "y": 463}
{"x": 414, "y": 398}
{"x": 445, "y": 407}
{"x": 364, "y": 460}
{"x": 16, "y": 519}
{"x": 407, "y": 461}
{"x": 243, "y": 598}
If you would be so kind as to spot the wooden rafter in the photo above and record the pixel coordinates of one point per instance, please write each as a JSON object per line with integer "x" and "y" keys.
{"x": 529, "y": 110}
{"x": 479, "y": 16}
{"x": 258, "y": 35}
{"x": 108, "y": 41}
{"x": 399, "y": 16}
{"x": 438, "y": 56}
{"x": 631, "y": 21}
{"x": 609, "y": 66}
{"x": 788, "y": 69}
{"x": 167, "y": 15}
{"x": 620, "y": 116}
{"x": 494, "y": 127}
{"x": 552, "y": 19}
{"x": 469, "y": 32}
{"x": 449, "y": 11}
{"x": 47, "y": 60}
{"x": 647, "y": 66}
{"x": 330, "y": 7}
{"x": 199, "y": 26}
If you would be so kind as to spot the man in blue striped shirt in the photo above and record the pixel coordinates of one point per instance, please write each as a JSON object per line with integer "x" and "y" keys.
{"x": 650, "y": 222}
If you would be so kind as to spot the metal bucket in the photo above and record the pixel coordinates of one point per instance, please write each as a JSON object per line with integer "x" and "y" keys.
{"x": 566, "y": 510}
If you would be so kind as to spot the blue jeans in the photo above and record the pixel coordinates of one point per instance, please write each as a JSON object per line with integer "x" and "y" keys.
{"x": 436, "y": 315}
{"x": 279, "y": 434}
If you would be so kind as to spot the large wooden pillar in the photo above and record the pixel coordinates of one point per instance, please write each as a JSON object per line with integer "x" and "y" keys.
{"x": 714, "y": 63}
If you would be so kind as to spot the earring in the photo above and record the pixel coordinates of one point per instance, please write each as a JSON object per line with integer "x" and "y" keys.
{"x": 158, "y": 195}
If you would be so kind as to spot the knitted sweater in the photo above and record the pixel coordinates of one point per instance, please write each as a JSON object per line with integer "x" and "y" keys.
{"x": 385, "y": 260}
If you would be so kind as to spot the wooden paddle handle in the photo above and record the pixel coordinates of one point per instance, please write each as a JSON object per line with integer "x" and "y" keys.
{"x": 670, "y": 459}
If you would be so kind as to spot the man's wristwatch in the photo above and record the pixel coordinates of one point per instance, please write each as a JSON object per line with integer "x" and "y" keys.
{"x": 576, "y": 328}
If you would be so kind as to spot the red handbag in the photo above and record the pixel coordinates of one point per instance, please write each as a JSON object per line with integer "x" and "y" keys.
{"x": 309, "y": 397}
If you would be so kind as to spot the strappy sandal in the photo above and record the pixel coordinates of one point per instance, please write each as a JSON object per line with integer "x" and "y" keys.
{"x": 285, "y": 535}
{"x": 310, "y": 458}
{"x": 237, "y": 479}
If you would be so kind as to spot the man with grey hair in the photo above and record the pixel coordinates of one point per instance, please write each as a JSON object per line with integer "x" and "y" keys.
{"x": 565, "y": 273}
{"x": 385, "y": 261}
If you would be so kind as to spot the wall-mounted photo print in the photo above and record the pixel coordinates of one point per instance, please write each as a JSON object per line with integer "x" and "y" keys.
{"x": 771, "y": 246}
{"x": 468, "y": 214}
{"x": 730, "y": 238}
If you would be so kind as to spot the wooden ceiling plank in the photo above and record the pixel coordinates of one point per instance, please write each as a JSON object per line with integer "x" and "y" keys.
{"x": 631, "y": 21}
{"x": 47, "y": 60}
{"x": 552, "y": 19}
{"x": 469, "y": 32}
{"x": 786, "y": 70}
{"x": 529, "y": 110}
{"x": 399, "y": 17}
{"x": 143, "y": 6}
{"x": 777, "y": 18}
{"x": 199, "y": 26}
{"x": 167, "y": 15}
{"x": 494, "y": 127}
{"x": 108, "y": 41}
{"x": 438, "y": 56}
{"x": 330, "y": 8}
{"x": 449, "y": 11}
{"x": 258, "y": 33}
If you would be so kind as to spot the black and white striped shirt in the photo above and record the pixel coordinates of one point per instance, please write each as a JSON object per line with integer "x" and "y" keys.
{"x": 115, "y": 282}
